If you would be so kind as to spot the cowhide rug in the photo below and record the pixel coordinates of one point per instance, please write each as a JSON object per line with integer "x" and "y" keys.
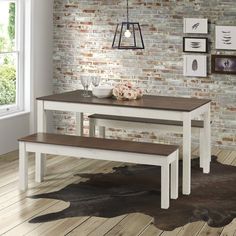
{"x": 136, "y": 188}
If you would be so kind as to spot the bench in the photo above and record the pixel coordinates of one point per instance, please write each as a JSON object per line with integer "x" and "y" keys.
{"x": 104, "y": 149}
{"x": 102, "y": 121}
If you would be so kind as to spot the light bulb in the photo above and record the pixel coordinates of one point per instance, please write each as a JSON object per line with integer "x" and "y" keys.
{"x": 127, "y": 34}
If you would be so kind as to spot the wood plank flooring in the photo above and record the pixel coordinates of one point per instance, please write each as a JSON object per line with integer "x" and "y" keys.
{"x": 16, "y": 209}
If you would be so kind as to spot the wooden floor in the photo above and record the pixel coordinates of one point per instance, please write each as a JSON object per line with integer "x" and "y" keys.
{"x": 16, "y": 209}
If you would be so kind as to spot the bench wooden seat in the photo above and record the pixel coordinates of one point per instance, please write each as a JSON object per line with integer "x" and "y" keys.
{"x": 104, "y": 149}
{"x": 103, "y": 121}
{"x": 195, "y": 123}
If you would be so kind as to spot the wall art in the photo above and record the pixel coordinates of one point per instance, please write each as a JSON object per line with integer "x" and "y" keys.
{"x": 226, "y": 37}
{"x": 223, "y": 64}
{"x": 191, "y": 44}
{"x": 195, "y": 65}
{"x": 195, "y": 26}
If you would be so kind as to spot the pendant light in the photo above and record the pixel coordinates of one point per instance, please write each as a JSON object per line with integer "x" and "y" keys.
{"x": 128, "y": 35}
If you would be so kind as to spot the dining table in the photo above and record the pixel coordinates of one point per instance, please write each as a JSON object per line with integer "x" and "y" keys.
{"x": 172, "y": 108}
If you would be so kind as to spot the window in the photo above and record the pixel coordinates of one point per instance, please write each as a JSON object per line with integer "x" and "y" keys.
{"x": 11, "y": 57}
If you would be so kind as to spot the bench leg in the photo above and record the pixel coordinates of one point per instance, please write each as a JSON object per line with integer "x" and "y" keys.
{"x": 40, "y": 166}
{"x": 23, "y": 167}
{"x": 92, "y": 127}
{"x": 165, "y": 194}
{"x": 102, "y": 132}
{"x": 175, "y": 177}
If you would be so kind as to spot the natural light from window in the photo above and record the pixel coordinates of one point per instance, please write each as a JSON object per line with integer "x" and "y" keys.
{"x": 10, "y": 58}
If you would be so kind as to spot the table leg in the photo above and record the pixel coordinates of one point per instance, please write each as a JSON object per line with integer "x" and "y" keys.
{"x": 79, "y": 123}
{"x": 92, "y": 127}
{"x": 207, "y": 141}
{"x": 186, "y": 153}
{"x": 40, "y": 159}
{"x": 23, "y": 167}
{"x": 102, "y": 131}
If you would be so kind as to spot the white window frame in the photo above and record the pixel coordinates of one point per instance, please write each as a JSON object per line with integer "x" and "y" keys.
{"x": 6, "y": 110}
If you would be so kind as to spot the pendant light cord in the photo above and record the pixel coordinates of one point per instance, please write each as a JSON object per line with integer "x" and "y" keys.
{"x": 127, "y": 11}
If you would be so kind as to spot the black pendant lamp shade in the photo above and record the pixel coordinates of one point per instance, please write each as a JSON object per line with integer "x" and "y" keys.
{"x": 128, "y": 35}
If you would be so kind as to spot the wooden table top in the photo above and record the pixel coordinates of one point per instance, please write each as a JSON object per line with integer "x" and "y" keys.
{"x": 146, "y": 102}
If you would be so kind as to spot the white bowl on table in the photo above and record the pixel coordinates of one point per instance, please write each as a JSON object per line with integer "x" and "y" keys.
{"x": 102, "y": 91}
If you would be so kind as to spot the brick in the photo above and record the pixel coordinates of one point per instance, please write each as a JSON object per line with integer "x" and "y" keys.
{"x": 83, "y": 34}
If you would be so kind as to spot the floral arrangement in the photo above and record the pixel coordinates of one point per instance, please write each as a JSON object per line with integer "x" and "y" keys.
{"x": 126, "y": 91}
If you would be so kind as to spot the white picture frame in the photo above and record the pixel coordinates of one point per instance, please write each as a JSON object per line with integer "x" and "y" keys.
{"x": 195, "y": 26}
{"x": 225, "y": 37}
{"x": 195, "y": 65}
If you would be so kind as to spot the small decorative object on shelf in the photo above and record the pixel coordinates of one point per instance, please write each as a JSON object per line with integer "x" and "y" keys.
{"x": 126, "y": 91}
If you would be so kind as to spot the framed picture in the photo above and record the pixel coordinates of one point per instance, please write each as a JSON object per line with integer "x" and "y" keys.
{"x": 195, "y": 65}
{"x": 195, "y": 44}
{"x": 195, "y": 26}
{"x": 223, "y": 64}
{"x": 226, "y": 37}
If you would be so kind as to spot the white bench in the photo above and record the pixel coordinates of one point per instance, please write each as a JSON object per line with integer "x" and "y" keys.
{"x": 141, "y": 124}
{"x": 104, "y": 149}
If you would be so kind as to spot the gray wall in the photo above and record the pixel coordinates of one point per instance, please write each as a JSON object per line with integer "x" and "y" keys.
{"x": 42, "y": 55}
{"x": 83, "y": 33}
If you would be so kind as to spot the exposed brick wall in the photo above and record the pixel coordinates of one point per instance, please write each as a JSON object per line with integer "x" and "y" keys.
{"x": 83, "y": 33}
